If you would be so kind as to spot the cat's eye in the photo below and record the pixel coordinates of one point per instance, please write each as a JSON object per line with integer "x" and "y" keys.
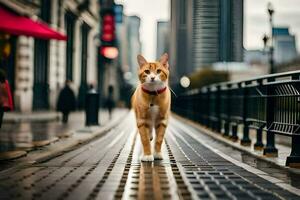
{"x": 158, "y": 71}
{"x": 147, "y": 71}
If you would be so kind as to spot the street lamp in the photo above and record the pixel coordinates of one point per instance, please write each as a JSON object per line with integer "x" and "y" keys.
{"x": 265, "y": 38}
{"x": 270, "y": 9}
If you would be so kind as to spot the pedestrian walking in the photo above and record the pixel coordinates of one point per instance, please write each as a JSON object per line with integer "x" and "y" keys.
{"x": 66, "y": 101}
{"x": 110, "y": 104}
{"x": 6, "y": 101}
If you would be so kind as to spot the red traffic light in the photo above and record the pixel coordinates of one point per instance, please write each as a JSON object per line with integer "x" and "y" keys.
{"x": 108, "y": 28}
{"x": 108, "y": 18}
{"x": 107, "y": 37}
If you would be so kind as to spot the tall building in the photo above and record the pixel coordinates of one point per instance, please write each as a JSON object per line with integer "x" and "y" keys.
{"x": 134, "y": 23}
{"x": 38, "y": 67}
{"x": 128, "y": 33}
{"x": 204, "y": 32}
{"x": 162, "y": 38}
{"x": 284, "y": 45}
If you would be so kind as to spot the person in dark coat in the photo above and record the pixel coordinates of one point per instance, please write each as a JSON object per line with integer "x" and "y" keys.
{"x": 110, "y": 104}
{"x": 66, "y": 101}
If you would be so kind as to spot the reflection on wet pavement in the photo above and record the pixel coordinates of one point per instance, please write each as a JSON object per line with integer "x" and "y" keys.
{"x": 277, "y": 172}
{"x": 29, "y": 135}
{"x": 150, "y": 180}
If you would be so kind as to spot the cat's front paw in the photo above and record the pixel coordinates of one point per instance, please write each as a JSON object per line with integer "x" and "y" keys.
{"x": 147, "y": 158}
{"x": 158, "y": 156}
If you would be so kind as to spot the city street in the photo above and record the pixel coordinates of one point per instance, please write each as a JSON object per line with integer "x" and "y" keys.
{"x": 194, "y": 167}
{"x": 82, "y": 82}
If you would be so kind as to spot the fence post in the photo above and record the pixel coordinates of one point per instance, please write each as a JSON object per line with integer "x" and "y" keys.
{"x": 194, "y": 106}
{"x": 259, "y": 145}
{"x": 227, "y": 121}
{"x": 234, "y": 129}
{"x": 270, "y": 149}
{"x": 245, "y": 141}
{"x": 218, "y": 122}
{"x": 293, "y": 160}
{"x": 207, "y": 108}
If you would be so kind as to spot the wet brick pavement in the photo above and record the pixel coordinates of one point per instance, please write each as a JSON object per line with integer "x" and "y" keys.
{"x": 109, "y": 168}
{"x": 30, "y": 134}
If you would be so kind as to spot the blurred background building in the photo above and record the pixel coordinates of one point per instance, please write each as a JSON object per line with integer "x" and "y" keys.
{"x": 204, "y": 32}
{"x": 284, "y": 45}
{"x": 128, "y": 33}
{"x": 256, "y": 56}
{"x": 162, "y": 38}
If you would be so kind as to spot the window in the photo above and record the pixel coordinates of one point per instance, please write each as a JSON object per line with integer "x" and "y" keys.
{"x": 182, "y": 12}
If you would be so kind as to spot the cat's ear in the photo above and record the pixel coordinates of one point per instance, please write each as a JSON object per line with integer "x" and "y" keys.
{"x": 141, "y": 60}
{"x": 164, "y": 60}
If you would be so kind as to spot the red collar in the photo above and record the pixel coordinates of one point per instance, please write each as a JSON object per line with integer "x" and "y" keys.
{"x": 157, "y": 92}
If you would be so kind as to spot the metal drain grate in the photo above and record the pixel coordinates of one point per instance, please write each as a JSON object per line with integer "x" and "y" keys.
{"x": 121, "y": 187}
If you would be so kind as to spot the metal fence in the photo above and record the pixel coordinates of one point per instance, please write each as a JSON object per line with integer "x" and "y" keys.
{"x": 268, "y": 104}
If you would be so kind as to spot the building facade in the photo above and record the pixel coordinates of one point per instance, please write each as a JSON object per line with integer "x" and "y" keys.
{"x": 162, "y": 38}
{"x": 42, "y": 66}
{"x": 284, "y": 45}
{"x": 256, "y": 56}
{"x": 128, "y": 33}
{"x": 204, "y": 32}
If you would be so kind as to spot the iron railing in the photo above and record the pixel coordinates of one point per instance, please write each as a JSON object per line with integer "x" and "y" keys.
{"x": 268, "y": 104}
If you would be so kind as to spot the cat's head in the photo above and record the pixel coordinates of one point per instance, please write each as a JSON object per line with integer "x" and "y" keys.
{"x": 153, "y": 73}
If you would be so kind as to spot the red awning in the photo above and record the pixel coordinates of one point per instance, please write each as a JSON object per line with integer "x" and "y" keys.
{"x": 19, "y": 25}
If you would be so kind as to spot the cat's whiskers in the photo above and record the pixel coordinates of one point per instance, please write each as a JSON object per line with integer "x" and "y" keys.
{"x": 172, "y": 91}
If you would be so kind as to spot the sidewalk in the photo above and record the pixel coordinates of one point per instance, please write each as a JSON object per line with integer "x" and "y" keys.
{"x": 23, "y": 133}
{"x": 109, "y": 167}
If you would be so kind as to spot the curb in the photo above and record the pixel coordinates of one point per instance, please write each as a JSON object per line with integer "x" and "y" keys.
{"x": 10, "y": 155}
{"x": 17, "y": 118}
{"x": 236, "y": 145}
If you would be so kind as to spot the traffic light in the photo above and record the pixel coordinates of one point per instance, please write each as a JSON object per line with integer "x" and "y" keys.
{"x": 108, "y": 29}
{"x": 108, "y": 47}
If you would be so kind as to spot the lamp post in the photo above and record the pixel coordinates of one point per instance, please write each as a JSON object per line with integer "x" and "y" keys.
{"x": 271, "y": 51}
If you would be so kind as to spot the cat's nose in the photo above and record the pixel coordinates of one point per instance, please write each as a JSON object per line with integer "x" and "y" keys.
{"x": 152, "y": 78}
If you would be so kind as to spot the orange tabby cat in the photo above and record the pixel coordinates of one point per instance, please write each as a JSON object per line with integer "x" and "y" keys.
{"x": 151, "y": 103}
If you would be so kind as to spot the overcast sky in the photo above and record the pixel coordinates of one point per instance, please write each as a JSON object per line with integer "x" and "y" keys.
{"x": 287, "y": 13}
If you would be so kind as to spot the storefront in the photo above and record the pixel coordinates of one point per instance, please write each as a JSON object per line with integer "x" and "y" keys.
{"x": 7, "y": 57}
{"x": 11, "y": 29}
{"x": 41, "y": 58}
